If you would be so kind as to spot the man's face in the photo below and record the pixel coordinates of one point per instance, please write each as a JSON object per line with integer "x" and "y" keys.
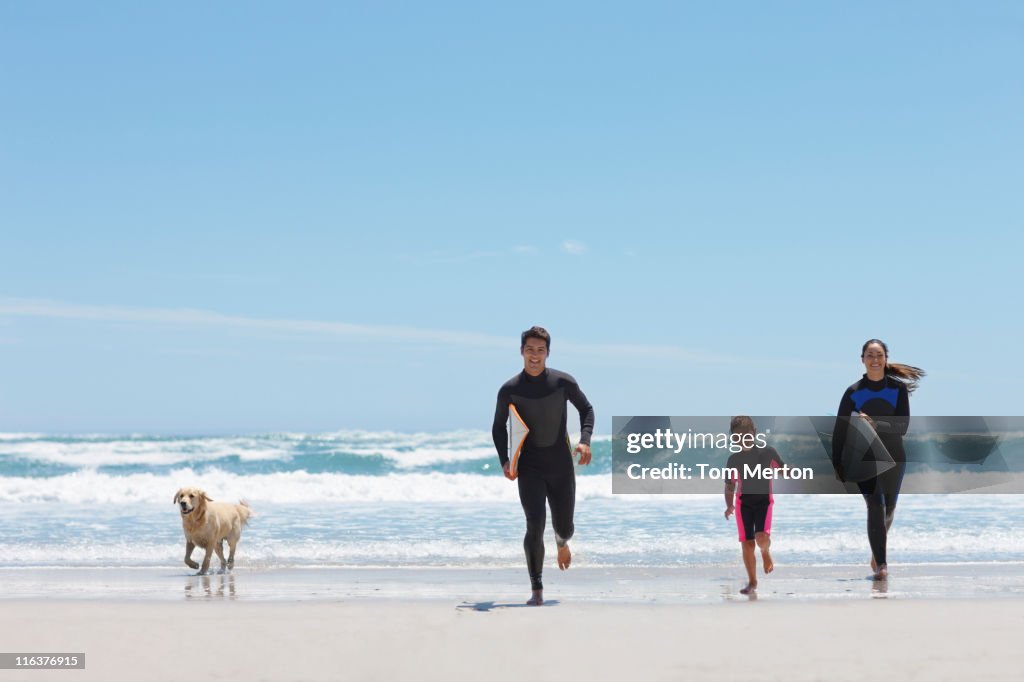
{"x": 535, "y": 354}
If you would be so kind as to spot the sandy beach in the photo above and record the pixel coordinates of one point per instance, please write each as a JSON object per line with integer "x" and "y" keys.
{"x": 438, "y": 640}
{"x": 807, "y": 623}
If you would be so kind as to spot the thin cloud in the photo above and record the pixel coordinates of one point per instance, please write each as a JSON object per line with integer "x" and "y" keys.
{"x": 573, "y": 247}
{"x": 188, "y": 317}
{"x": 204, "y": 318}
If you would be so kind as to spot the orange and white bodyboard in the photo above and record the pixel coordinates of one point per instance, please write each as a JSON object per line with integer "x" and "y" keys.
{"x": 517, "y": 430}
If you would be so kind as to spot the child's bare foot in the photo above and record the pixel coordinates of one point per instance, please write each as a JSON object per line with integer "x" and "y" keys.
{"x": 751, "y": 587}
{"x": 564, "y": 557}
{"x": 537, "y": 599}
{"x": 764, "y": 542}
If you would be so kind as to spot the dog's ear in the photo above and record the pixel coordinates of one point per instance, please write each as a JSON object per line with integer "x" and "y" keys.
{"x": 207, "y": 497}
{"x": 177, "y": 496}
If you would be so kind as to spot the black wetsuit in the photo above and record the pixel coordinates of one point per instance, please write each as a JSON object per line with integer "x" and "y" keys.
{"x": 887, "y": 402}
{"x": 545, "y": 463}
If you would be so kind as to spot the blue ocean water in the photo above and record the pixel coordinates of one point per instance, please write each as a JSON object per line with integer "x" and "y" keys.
{"x": 396, "y": 499}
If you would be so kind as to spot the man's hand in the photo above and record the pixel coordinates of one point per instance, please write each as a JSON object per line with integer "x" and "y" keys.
{"x": 508, "y": 473}
{"x": 728, "y": 511}
{"x": 583, "y": 450}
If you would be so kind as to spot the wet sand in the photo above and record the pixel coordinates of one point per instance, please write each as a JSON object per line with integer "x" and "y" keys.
{"x": 702, "y": 584}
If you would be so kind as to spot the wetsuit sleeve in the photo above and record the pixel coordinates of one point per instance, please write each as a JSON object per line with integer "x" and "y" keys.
{"x": 499, "y": 429}
{"x": 775, "y": 459}
{"x": 839, "y": 431}
{"x": 732, "y": 467}
{"x": 899, "y": 422}
{"x": 586, "y": 410}
{"x": 730, "y": 484}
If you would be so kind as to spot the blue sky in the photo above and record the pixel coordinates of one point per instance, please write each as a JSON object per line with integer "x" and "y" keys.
{"x": 316, "y": 216}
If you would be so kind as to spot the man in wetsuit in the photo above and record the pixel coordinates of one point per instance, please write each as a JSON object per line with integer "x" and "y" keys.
{"x": 545, "y": 471}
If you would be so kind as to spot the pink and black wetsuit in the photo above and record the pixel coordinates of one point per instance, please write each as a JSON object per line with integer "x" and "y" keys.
{"x": 754, "y": 499}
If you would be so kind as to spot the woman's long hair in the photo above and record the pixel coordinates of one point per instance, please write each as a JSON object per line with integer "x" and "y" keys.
{"x": 908, "y": 375}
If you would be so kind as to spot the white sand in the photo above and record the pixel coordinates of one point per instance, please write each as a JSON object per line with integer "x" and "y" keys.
{"x": 390, "y": 640}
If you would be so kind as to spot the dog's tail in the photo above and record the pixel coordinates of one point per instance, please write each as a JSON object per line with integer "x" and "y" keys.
{"x": 245, "y": 511}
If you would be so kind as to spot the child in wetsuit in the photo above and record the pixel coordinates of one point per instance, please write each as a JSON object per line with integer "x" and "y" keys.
{"x": 753, "y": 495}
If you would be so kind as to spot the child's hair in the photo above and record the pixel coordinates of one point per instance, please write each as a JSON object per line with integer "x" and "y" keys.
{"x": 908, "y": 375}
{"x": 742, "y": 423}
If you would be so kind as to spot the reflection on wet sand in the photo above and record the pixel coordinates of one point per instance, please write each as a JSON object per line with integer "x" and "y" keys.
{"x": 730, "y": 593}
{"x": 220, "y": 586}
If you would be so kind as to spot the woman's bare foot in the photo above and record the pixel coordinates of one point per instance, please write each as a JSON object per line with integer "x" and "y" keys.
{"x": 766, "y": 561}
{"x": 882, "y": 572}
{"x": 564, "y": 557}
{"x": 537, "y": 599}
{"x": 749, "y": 588}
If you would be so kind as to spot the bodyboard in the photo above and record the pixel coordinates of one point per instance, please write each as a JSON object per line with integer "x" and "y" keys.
{"x": 864, "y": 454}
{"x": 517, "y": 431}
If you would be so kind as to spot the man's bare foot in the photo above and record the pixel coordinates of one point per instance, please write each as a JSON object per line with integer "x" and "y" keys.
{"x": 874, "y": 564}
{"x": 537, "y": 599}
{"x": 766, "y": 560}
{"x": 751, "y": 587}
{"x": 882, "y": 572}
{"x": 564, "y": 557}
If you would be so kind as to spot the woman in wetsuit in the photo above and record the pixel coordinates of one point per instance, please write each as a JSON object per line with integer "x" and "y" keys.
{"x": 882, "y": 398}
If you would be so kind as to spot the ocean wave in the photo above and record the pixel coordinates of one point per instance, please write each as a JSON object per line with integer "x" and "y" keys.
{"x": 353, "y": 452}
{"x": 91, "y": 487}
{"x": 21, "y": 436}
{"x": 96, "y": 452}
{"x": 664, "y": 549}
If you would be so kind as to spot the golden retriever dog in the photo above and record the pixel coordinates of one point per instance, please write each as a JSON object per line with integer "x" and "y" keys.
{"x": 208, "y": 524}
